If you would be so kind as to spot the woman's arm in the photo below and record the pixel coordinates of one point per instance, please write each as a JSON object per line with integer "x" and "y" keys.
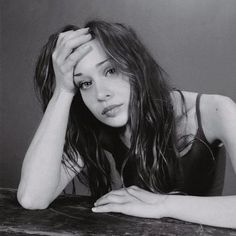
{"x": 214, "y": 211}
{"x": 43, "y": 176}
{"x": 219, "y": 122}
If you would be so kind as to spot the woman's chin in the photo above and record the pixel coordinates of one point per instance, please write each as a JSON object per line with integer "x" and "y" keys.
{"x": 116, "y": 122}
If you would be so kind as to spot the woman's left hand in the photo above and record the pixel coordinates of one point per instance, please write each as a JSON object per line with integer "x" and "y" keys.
{"x": 132, "y": 201}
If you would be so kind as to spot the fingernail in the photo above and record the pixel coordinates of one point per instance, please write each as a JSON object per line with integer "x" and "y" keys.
{"x": 94, "y": 209}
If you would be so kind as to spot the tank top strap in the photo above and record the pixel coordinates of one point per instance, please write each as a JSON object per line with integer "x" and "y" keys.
{"x": 201, "y": 133}
{"x": 198, "y": 113}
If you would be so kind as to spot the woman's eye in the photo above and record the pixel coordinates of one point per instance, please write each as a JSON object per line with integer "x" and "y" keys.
{"x": 110, "y": 71}
{"x": 85, "y": 85}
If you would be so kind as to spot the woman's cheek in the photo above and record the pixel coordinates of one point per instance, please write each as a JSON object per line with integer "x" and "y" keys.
{"x": 87, "y": 99}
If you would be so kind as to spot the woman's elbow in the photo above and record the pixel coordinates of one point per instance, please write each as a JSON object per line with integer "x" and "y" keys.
{"x": 31, "y": 203}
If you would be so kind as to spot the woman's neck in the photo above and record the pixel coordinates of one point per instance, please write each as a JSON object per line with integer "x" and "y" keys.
{"x": 126, "y": 136}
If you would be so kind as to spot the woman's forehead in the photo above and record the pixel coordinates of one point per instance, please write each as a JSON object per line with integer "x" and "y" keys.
{"x": 93, "y": 58}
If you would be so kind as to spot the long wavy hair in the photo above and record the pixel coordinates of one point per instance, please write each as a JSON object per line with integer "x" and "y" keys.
{"x": 153, "y": 151}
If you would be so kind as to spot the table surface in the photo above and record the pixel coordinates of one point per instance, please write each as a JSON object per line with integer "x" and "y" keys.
{"x": 72, "y": 215}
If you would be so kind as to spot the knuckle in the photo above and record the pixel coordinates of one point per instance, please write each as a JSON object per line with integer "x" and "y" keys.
{"x": 54, "y": 56}
{"x": 88, "y": 36}
{"x": 60, "y": 38}
{"x": 133, "y": 187}
{"x": 61, "y": 35}
{"x": 131, "y": 190}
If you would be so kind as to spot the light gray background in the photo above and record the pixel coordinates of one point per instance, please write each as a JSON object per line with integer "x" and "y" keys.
{"x": 194, "y": 40}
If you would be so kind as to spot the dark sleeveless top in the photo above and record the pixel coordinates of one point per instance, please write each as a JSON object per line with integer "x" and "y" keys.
{"x": 202, "y": 166}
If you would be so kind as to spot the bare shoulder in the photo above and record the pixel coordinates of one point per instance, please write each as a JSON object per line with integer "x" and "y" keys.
{"x": 216, "y": 100}
{"x": 217, "y": 112}
{"x": 214, "y": 105}
{"x": 210, "y": 103}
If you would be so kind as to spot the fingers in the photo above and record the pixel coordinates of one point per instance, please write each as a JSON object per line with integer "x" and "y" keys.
{"x": 76, "y": 56}
{"x": 133, "y": 209}
{"x": 118, "y": 196}
{"x": 111, "y": 202}
{"x": 113, "y": 196}
{"x": 70, "y": 34}
{"x": 131, "y": 201}
{"x": 112, "y": 207}
{"x": 67, "y": 43}
{"x": 132, "y": 193}
{"x": 70, "y": 49}
{"x": 70, "y": 45}
{"x": 125, "y": 208}
{"x": 135, "y": 191}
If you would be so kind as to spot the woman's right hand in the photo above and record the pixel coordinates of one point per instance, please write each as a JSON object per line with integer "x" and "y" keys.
{"x": 71, "y": 47}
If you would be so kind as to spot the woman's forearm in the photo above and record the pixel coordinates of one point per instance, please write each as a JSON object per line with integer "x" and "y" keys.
{"x": 215, "y": 211}
{"x": 41, "y": 170}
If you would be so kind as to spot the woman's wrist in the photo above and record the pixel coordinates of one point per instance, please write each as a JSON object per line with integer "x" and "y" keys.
{"x": 165, "y": 211}
{"x": 160, "y": 206}
{"x": 174, "y": 205}
{"x": 62, "y": 93}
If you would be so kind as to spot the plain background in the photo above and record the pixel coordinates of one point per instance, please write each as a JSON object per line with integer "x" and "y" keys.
{"x": 193, "y": 40}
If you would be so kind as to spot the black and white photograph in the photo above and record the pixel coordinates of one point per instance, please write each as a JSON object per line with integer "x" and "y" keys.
{"x": 117, "y": 117}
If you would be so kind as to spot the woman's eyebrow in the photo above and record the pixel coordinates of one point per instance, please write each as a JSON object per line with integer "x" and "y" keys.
{"x": 78, "y": 74}
{"x": 97, "y": 65}
{"x": 102, "y": 62}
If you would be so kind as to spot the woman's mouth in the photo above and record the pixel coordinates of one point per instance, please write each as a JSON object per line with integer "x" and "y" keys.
{"x": 112, "y": 110}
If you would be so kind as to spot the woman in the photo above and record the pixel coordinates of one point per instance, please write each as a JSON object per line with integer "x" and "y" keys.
{"x": 143, "y": 148}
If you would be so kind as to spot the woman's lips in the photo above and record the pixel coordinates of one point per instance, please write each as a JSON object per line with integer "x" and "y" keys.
{"x": 112, "y": 110}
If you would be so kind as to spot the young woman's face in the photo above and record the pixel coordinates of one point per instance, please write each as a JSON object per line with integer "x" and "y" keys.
{"x": 104, "y": 89}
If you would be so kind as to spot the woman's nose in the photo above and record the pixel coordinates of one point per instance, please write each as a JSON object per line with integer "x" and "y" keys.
{"x": 103, "y": 92}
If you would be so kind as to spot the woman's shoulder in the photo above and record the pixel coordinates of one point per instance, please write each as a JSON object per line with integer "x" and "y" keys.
{"x": 218, "y": 115}
{"x": 209, "y": 102}
{"x": 214, "y": 110}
